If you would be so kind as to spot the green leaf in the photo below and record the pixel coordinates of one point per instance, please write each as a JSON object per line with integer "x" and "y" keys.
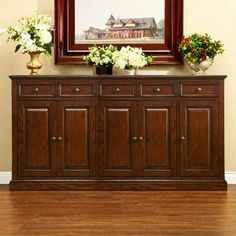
{"x": 17, "y": 48}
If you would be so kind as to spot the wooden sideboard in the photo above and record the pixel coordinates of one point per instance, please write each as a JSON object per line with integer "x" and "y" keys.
{"x": 118, "y": 132}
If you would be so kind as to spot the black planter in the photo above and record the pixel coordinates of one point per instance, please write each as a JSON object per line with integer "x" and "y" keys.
{"x": 104, "y": 70}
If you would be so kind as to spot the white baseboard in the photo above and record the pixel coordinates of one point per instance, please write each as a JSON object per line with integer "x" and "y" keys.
{"x": 5, "y": 177}
{"x": 230, "y": 177}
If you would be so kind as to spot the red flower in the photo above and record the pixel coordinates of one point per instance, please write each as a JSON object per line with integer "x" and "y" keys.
{"x": 186, "y": 40}
{"x": 202, "y": 52}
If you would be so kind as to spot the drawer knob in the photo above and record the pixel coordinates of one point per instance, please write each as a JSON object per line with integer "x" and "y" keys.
{"x": 59, "y": 139}
{"x": 36, "y": 89}
{"x": 183, "y": 138}
{"x": 199, "y": 89}
{"x": 158, "y": 90}
{"x": 77, "y": 90}
{"x": 117, "y": 89}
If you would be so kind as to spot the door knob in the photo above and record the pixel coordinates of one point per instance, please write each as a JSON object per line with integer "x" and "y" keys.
{"x": 59, "y": 139}
{"x": 140, "y": 139}
{"x": 53, "y": 139}
{"x": 134, "y": 139}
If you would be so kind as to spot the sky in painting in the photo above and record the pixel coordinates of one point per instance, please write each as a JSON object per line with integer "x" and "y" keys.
{"x": 95, "y": 13}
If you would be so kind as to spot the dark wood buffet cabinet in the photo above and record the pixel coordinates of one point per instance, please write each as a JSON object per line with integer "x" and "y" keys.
{"x": 118, "y": 132}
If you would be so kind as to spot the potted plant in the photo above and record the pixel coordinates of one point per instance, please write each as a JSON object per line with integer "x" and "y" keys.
{"x": 199, "y": 51}
{"x": 102, "y": 58}
{"x": 130, "y": 59}
{"x": 34, "y": 36}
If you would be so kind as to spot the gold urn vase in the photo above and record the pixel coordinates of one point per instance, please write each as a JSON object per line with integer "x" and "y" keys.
{"x": 34, "y": 64}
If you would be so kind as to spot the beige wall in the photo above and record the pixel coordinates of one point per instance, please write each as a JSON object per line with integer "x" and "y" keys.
{"x": 214, "y": 16}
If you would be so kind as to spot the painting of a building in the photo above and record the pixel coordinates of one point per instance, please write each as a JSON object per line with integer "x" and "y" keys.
{"x": 128, "y": 28}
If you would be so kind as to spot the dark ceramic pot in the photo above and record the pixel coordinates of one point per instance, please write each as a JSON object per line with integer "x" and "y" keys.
{"x": 104, "y": 70}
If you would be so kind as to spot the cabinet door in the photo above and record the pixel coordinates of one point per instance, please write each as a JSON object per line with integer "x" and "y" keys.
{"x": 76, "y": 138}
{"x": 157, "y": 138}
{"x": 35, "y": 149}
{"x": 117, "y": 127}
{"x": 199, "y": 138}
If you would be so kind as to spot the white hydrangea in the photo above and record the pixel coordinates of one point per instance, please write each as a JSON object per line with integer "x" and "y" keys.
{"x": 30, "y": 47}
{"x": 129, "y": 57}
{"x": 45, "y": 36}
{"x": 121, "y": 62}
{"x": 24, "y": 37}
{"x": 42, "y": 27}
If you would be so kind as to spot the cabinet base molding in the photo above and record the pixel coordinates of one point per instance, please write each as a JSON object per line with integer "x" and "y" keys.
{"x": 117, "y": 185}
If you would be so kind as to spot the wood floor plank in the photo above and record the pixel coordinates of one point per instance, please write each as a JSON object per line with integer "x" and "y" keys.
{"x": 118, "y": 213}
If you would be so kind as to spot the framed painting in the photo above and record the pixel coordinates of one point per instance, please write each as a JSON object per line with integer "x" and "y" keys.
{"x": 154, "y": 25}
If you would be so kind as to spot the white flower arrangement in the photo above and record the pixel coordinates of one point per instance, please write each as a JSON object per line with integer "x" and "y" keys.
{"x": 130, "y": 57}
{"x": 100, "y": 55}
{"x": 34, "y": 34}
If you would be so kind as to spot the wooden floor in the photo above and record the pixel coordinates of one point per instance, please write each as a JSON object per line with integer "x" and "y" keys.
{"x": 118, "y": 213}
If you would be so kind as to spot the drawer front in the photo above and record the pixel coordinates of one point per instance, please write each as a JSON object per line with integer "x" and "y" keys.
{"x": 204, "y": 90}
{"x": 153, "y": 90}
{"x": 67, "y": 90}
{"x": 118, "y": 90}
{"x": 36, "y": 90}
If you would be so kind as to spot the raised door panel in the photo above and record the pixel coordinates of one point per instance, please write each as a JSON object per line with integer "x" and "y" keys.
{"x": 117, "y": 126}
{"x": 157, "y": 138}
{"x": 35, "y": 149}
{"x": 76, "y": 138}
{"x": 199, "y": 138}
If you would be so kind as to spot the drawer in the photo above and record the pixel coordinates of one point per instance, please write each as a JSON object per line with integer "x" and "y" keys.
{"x": 147, "y": 90}
{"x": 118, "y": 90}
{"x": 76, "y": 90}
{"x": 35, "y": 90}
{"x": 207, "y": 90}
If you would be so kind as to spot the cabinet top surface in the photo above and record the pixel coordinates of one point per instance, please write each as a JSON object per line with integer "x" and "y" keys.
{"x": 127, "y": 77}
